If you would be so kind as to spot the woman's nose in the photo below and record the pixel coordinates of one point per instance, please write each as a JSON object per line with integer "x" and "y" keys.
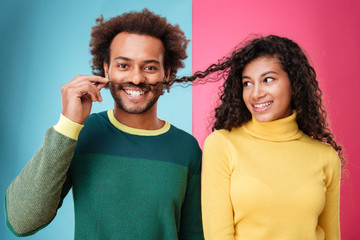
{"x": 258, "y": 91}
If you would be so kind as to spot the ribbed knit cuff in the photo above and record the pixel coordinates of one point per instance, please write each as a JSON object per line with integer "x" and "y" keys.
{"x": 68, "y": 128}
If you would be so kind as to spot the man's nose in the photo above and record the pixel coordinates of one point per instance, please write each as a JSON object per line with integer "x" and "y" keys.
{"x": 136, "y": 76}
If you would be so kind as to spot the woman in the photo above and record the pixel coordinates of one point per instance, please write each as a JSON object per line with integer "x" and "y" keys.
{"x": 271, "y": 168}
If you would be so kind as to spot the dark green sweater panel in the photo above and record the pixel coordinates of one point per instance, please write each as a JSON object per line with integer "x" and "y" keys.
{"x": 128, "y": 186}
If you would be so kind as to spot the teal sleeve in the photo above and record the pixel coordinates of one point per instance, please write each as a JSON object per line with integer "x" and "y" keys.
{"x": 191, "y": 223}
{"x": 34, "y": 196}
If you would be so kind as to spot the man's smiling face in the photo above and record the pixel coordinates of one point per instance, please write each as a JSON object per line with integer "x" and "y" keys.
{"x": 136, "y": 59}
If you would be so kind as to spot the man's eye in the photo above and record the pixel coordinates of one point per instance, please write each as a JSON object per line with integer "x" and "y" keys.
{"x": 122, "y": 66}
{"x": 150, "y": 68}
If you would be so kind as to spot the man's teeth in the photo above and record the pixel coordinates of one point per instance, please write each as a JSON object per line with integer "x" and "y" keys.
{"x": 262, "y": 105}
{"x": 134, "y": 93}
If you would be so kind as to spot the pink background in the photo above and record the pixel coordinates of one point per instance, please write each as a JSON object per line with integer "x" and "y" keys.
{"x": 328, "y": 31}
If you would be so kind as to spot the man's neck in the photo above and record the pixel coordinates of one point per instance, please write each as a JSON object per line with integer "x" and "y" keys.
{"x": 146, "y": 121}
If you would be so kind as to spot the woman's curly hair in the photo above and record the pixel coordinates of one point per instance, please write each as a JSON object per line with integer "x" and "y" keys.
{"x": 306, "y": 94}
{"x": 143, "y": 23}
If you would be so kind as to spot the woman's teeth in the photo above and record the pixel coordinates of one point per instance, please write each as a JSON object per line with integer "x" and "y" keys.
{"x": 262, "y": 105}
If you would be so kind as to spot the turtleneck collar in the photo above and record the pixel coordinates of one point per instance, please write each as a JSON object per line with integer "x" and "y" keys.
{"x": 283, "y": 129}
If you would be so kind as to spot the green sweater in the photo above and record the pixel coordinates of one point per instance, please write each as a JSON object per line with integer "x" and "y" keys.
{"x": 127, "y": 183}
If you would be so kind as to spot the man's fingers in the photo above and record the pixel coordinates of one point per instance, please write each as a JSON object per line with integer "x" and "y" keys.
{"x": 96, "y": 81}
{"x": 87, "y": 84}
{"x": 91, "y": 78}
{"x": 78, "y": 94}
{"x": 89, "y": 89}
{"x": 101, "y": 85}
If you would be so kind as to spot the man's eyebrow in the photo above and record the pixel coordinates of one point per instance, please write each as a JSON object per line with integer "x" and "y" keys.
{"x": 123, "y": 58}
{"x": 152, "y": 61}
{"x": 129, "y": 59}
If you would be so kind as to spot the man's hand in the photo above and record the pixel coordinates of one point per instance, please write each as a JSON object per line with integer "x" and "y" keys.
{"x": 77, "y": 96}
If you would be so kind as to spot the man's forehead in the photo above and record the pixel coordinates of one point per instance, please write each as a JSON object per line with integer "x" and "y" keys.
{"x": 131, "y": 45}
{"x": 122, "y": 58}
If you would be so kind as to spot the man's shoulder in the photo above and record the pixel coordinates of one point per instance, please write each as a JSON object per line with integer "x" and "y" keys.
{"x": 96, "y": 121}
{"x": 96, "y": 117}
{"x": 185, "y": 145}
{"x": 183, "y": 142}
{"x": 95, "y": 125}
{"x": 182, "y": 135}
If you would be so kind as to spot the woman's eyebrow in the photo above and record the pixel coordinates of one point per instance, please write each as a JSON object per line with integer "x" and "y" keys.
{"x": 265, "y": 73}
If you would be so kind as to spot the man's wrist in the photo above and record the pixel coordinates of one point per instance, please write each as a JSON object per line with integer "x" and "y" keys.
{"x": 68, "y": 128}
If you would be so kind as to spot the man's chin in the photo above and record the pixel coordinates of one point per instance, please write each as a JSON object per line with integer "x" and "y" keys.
{"x": 135, "y": 109}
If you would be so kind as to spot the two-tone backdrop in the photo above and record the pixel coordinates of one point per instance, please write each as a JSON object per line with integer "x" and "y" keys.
{"x": 44, "y": 44}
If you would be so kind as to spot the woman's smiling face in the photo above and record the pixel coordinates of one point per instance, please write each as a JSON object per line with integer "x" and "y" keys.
{"x": 266, "y": 89}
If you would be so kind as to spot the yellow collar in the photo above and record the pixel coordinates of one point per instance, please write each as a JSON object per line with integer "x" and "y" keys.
{"x": 284, "y": 129}
{"x": 136, "y": 131}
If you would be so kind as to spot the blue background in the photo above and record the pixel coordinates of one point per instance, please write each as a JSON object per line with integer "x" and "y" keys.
{"x": 43, "y": 45}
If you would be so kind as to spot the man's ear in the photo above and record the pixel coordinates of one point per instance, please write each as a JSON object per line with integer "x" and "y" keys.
{"x": 106, "y": 69}
{"x": 167, "y": 75}
{"x": 166, "y": 79}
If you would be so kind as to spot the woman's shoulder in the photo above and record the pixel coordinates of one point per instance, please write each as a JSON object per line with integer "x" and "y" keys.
{"x": 321, "y": 146}
{"x": 322, "y": 150}
{"x": 224, "y": 135}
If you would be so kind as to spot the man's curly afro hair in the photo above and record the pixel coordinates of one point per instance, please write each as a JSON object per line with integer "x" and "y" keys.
{"x": 143, "y": 23}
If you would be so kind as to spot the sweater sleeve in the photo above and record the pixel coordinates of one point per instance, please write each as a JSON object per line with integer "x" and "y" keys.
{"x": 191, "y": 224}
{"x": 217, "y": 210}
{"x": 34, "y": 196}
{"x": 329, "y": 218}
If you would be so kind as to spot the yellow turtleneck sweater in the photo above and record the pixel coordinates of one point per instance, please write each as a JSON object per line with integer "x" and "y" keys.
{"x": 268, "y": 180}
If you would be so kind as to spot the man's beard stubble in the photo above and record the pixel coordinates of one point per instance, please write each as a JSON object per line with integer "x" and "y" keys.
{"x": 157, "y": 91}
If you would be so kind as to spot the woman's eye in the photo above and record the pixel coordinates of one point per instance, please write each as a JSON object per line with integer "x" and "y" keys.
{"x": 268, "y": 79}
{"x": 246, "y": 84}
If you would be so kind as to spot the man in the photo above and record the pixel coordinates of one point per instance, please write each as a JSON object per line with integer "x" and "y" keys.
{"x": 133, "y": 175}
